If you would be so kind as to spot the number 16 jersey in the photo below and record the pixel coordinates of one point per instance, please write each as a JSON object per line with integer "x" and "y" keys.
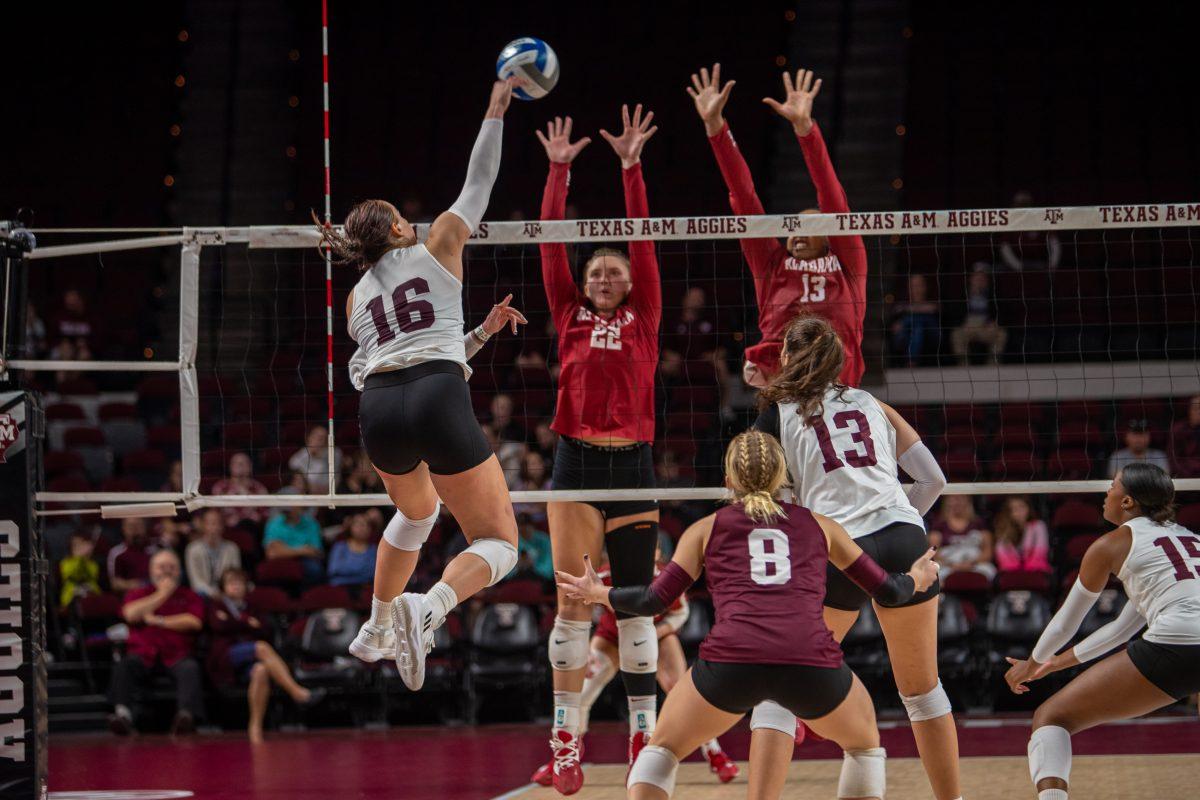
{"x": 843, "y": 462}
{"x": 407, "y": 310}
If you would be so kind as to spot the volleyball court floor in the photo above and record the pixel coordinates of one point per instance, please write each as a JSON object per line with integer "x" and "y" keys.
{"x": 1151, "y": 759}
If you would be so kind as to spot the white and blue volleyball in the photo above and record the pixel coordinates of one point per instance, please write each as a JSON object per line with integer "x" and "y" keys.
{"x": 530, "y": 59}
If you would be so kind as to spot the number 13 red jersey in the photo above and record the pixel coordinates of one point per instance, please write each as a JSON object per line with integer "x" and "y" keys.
{"x": 606, "y": 383}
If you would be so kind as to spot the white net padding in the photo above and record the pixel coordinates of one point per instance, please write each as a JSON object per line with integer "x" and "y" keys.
{"x": 1098, "y": 308}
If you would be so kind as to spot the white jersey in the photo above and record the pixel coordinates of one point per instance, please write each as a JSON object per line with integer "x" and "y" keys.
{"x": 843, "y": 463}
{"x": 1162, "y": 579}
{"x": 407, "y": 310}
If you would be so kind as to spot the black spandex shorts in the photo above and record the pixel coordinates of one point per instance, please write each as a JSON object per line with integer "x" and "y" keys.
{"x": 579, "y": 465}
{"x": 808, "y": 692}
{"x": 894, "y": 547}
{"x": 1174, "y": 668}
{"x": 422, "y": 413}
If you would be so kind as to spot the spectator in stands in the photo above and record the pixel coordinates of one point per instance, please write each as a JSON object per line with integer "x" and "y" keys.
{"x": 129, "y": 562}
{"x": 533, "y": 477}
{"x": 211, "y": 554}
{"x": 1030, "y": 249}
{"x": 313, "y": 460}
{"x": 241, "y": 481}
{"x": 979, "y": 324}
{"x": 360, "y": 477}
{"x": 533, "y": 548}
{"x": 915, "y": 322}
{"x": 962, "y": 538}
{"x": 352, "y": 560}
{"x": 508, "y": 453}
{"x": 174, "y": 482}
{"x": 79, "y": 574}
{"x": 507, "y": 429}
{"x": 294, "y": 533}
{"x": 1185, "y": 442}
{"x": 163, "y": 620}
{"x": 73, "y": 323}
{"x": 1022, "y": 541}
{"x": 239, "y": 653}
{"x": 35, "y": 333}
{"x": 694, "y": 333}
{"x": 544, "y": 439}
{"x": 170, "y": 534}
{"x": 1137, "y": 448}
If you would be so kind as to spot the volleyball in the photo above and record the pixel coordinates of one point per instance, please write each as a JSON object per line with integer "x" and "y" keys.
{"x": 533, "y": 60}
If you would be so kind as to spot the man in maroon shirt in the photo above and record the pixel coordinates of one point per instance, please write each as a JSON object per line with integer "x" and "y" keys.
{"x": 813, "y": 274}
{"x": 163, "y": 619}
{"x": 129, "y": 562}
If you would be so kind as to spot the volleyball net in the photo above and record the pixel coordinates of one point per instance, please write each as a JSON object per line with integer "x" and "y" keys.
{"x": 1027, "y": 346}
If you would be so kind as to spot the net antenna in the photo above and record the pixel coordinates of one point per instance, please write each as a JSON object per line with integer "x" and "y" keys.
{"x": 331, "y": 444}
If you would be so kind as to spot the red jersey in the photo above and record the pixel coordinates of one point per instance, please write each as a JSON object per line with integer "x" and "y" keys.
{"x": 606, "y": 383}
{"x": 768, "y": 589}
{"x": 159, "y": 644}
{"x": 833, "y": 286}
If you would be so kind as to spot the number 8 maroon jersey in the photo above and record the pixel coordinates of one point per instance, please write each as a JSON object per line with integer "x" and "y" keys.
{"x": 768, "y": 587}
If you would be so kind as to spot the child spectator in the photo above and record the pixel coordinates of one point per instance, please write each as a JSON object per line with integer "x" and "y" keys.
{"x": 352, "y": 560}
{"x": 79, "y": 572}
{"x": 962, "y": 538}
{"x": 210, "y": 555}
{"x": 1022, "y": 542}
{"x": 312, "y": 460}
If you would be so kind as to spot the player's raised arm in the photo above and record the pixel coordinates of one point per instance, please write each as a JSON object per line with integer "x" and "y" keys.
{"x": 556, "y": 269}
{"x": 452, "y": 228}
{"x": 710, "y": 98}
{"x": 502, "y": 314}
{"x": 646, "y": 293}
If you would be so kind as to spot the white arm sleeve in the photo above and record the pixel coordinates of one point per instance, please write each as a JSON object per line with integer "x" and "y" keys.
{"x": 472, "y": 343}
{"x": 481, "y": 174}
{"x": 928, "y": 478}
{"x": 1117, "y": 632}
{"x": 675, "y": 619}
{"x": 1064, "y": 623}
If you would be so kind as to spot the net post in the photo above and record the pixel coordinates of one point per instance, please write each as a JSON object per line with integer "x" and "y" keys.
{"x": 189, "y": 388}
{"x": 331, "y": 448}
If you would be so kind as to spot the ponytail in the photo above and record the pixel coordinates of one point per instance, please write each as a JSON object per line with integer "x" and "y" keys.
{"x": 366, "y": 236}
{"x": 756, "y": 469}
{"x": 1151, "y": 488}
{"x": 813, "y": 360}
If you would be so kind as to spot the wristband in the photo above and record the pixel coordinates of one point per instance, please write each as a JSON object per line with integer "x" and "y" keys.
{"x": 480, "y": 334}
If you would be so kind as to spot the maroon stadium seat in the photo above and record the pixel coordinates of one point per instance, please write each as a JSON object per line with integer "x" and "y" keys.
{"x": 325, "y": 597}
{"x": 1076, "y": 516}
{"x": 1028, "y": 581}
{"x": 279, "y": 571}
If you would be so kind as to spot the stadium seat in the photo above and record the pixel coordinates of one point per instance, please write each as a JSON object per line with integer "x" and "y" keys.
{"x": 504, "y": 654}
{"x": 62, "y": 463}
{"x": 968, "y": 583}
{"x": 864, "y": 646}
{"x": 1108, "y": 606}
{"x": 279, "y": 572}
{"x": 696, "y": 626}
{"x": 90, "y": 445}
{"x": 1076, "y": 516}
{"x": 325, "y": 597}
{"x": 1023, "y": 580}
{"x": 1017, "y": 618}
{"x": 124, "y": 435}
{"x": 1077, "y": 545}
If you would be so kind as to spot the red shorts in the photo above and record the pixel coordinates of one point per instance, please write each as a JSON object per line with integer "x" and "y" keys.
{"x": 606, "y": 628}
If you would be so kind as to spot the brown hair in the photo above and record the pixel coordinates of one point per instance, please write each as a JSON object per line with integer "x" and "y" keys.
{"x": 756, "y": 469}
{"x": 366, "y": 235}
{"x": 1151, "y": 488}
{"x": 233, "y": 572}
{"x": 1005, "y": 527}
{"x": 814, "y": 361}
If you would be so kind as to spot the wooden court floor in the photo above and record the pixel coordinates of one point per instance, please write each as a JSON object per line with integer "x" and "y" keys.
{"x": 1124, "y": 777}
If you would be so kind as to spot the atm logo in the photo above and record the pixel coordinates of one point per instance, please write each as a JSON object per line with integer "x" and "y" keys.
{"x": 8, "y": 434}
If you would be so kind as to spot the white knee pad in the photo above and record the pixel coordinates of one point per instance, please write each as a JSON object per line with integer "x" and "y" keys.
{"x": 931, "y": 705}
{"x": 1050, "y": 754}
{"x": 499, "y": 555}
{"x": 770, "y": 715}
{"x": 403, "y": 533}
{"x": 637, "y": 644}
{"x": 568, "y": 646}
{"x": 600, "y": 673}
{"x": 864, "y": 773}
{"x": 656, "y": 766}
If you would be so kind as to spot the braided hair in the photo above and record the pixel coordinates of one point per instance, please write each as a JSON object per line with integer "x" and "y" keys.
{"x": 755, "y": 470}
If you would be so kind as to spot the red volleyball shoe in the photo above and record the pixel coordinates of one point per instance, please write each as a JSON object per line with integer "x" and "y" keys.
{"x": 721, "y": 765}
{"x": 567, "y": 772}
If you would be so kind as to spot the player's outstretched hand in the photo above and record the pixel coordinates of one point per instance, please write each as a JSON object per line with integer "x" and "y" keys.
{"x": 924, "y": 571}
{"x": 502, "y": 96}
{"x": 798, "y": 98}
{"x": 587, "y": 588}
{"x": 503, "y": 314}
{"x": 634, "y": 135}
{"x": 1023, "y": 672}
{"x": 710, "y": 98}
{"x": 557, "y": 141}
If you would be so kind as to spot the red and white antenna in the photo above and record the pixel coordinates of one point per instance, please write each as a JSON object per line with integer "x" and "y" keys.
{"x": 328, "y": 254}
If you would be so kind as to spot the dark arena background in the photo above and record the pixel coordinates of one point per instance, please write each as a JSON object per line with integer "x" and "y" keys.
{"x": 1025, "y": 178}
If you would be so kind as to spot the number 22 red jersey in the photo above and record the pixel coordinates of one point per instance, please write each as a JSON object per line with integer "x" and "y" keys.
{"x": 606, "y": 382}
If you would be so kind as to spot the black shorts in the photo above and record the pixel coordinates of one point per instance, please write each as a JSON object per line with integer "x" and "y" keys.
{"x": 808, "y": 692}
{"x": 422, "y": 413}
{"x": 894, "y": 547}
{"x": 1174, "y": 668}
{"x": 579, "y": 465}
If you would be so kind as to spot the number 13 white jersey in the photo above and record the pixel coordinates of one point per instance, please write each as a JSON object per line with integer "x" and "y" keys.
{"x": 1161, "y": 575}
{"x": 407, "y": 310}
{"x": 843, "y": 463}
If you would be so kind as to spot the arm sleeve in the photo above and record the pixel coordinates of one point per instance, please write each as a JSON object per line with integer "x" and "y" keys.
{"x": 652, "y": 600}
{"x": 646, "y": 294}
{"x": 928, "y": 478}
{"x": 1115, "y": 633}
{"x": 831, "y": 199}
{"x": 761, "y": 254}
{"x": 556, "y": 270}
{"x": 768, "y": 420}
{"x": 472, "y": 344}
{"x": 481, "y": 174}
{"x": 675, "y": 619}
{"x": 888, "y": 589}
{"x": 1064, "y": 623}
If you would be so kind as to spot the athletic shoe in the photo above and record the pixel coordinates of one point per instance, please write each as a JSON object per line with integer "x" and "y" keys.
{"x": 120, "y": 722}
{"x": 183, "y": 724}
{"x": 544, "y": 775}
{"x": 412, "y": 624}
{"x": 636, "y": 742}
{"x": 373, "y": 643}
{"x": 567, "y": 771}
{"x": 722, "y": 766}
{"x": 804, "y": 732}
